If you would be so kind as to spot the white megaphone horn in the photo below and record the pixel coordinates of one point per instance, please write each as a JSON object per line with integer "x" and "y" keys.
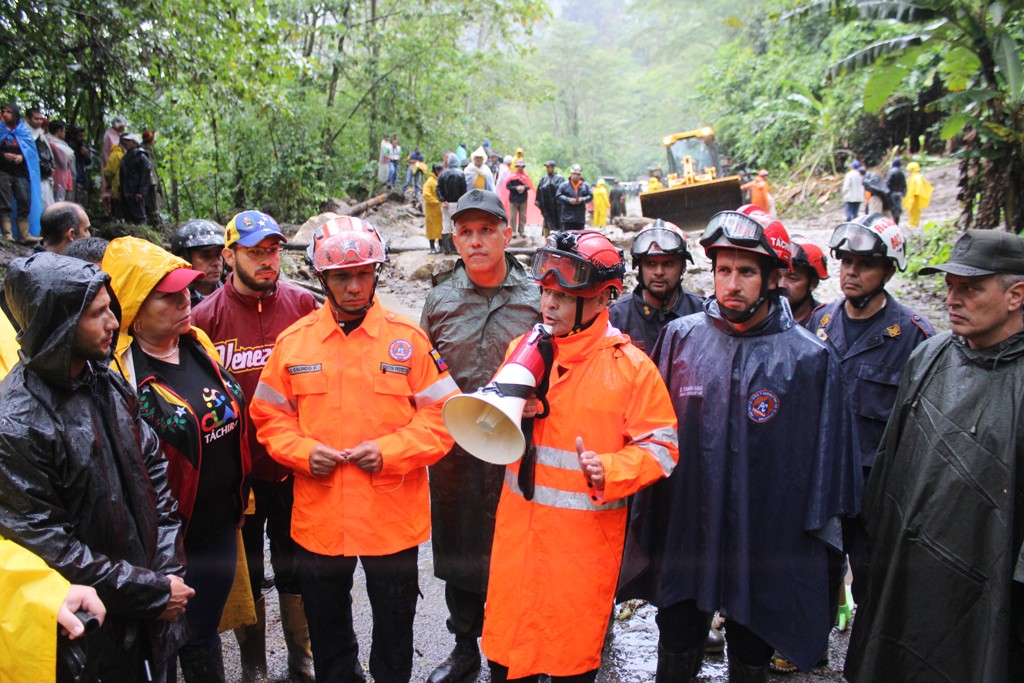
{"x": 486, "y": 423}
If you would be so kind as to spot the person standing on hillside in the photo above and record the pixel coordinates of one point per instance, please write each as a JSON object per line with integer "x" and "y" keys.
{"x": 897, "y": 183}
{"x": 432, "y": 208}
{"x": 759, "y": 195}
{"x": 19, "y": 176}
{"x": 478, "y": 175}
{"x": 519, "y": 186}
{"x": 547, "y": 189}
{"x": 853, "y": 190}
{"x": 919, "y": 195}
{"x": 470, "y": 318}
{"x": 384, "y": 160}
{"x": 451, "y": 185}
{"x": 601, "y": 204}
{"x": 111, "y": 139}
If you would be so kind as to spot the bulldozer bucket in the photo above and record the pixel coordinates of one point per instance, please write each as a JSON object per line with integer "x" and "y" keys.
{"x": 692, "y": 206}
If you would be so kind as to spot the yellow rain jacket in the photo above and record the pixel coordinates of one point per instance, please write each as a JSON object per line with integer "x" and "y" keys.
{"x": 602, "y": 202}
{"x": 432, "y": 208}
{"x": 132, "y": 284}
{"x": 8, "y": 346}
{"x": 30, "y": 595}
{"x": 919, "y": 194}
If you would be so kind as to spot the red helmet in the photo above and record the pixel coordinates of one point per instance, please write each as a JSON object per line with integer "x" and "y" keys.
{"x": 806, "y": 254}
{"x": 579, "y": 262}
{"x": 749, "y": 228}
{"x": 346, "y": 242}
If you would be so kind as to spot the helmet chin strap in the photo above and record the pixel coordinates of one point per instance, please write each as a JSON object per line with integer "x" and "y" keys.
{"x": 860, "y": 302}
{"x": 740, "y": 317}
{"x": 337, "y": 307}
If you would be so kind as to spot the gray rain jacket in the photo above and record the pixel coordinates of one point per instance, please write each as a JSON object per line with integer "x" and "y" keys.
{"x": 472, "y": 332}
{"x": 944, "y": 509}
{"x": 83, "y": 482}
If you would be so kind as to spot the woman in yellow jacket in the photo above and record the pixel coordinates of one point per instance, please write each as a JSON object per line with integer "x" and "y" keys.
{"x": 432, "y": 208}
{"x": 602, "y": 202}
{"x": 919, "y": 194}
{"x": 198, "y": 410}
{"x": 34, "y": 600}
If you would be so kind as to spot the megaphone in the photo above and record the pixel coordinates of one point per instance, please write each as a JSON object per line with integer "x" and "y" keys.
{"x": 486, "y": 423}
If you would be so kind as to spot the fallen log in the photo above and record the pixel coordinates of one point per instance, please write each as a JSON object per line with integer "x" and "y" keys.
{"x": 359, "y": 208}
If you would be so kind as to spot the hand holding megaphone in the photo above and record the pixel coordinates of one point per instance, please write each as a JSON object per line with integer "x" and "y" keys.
{"x": 591, "y": 465}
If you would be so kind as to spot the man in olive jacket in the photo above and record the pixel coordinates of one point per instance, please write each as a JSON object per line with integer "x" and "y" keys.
{"x": 471, "y": 318}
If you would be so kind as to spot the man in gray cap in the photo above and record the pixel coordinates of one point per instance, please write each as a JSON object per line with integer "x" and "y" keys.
{"x": 944, "y": 506}
{"x": 470, "y": 318}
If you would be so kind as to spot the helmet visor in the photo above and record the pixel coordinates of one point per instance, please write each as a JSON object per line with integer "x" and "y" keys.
{"x": 738, "y": 228}
{"x": 856, "y": 239}
{"x": 571, "y": 272}
{"x": 657, "y": 241}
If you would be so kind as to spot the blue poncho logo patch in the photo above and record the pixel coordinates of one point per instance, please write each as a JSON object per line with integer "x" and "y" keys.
{"x": 762, "y": 406}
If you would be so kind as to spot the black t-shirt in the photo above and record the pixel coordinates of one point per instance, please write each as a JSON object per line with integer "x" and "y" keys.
{"x": 855, "y": 328}
{"x": 220, "y": 472}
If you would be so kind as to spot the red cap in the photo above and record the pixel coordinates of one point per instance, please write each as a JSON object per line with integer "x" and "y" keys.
{"x": 177, "y": 280}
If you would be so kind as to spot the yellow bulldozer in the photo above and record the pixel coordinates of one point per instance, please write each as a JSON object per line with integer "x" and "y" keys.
{"x": 694, "y": 189}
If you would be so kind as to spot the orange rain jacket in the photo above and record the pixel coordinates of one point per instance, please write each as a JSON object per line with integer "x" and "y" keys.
{"x": 555, "y": 560}
{"x": 382, "y": 382}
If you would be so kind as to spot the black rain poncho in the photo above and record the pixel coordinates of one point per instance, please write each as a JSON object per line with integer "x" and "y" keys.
{"x": 83, "y": 483}
{"x": 944, "y": 509}
{"x": 766, "y": 469}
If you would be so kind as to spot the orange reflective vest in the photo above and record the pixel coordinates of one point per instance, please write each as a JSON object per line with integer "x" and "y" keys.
{"x": 383, "y": 382}
{"x": 555, "y": 560}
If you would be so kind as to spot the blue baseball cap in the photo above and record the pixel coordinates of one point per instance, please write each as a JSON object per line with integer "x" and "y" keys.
{"x": 249, "y": 228}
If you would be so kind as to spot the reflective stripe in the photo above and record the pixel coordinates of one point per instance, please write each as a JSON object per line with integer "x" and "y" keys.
{"x": 267, "y": 393}
{"x": 566, "y": 500}
{"x": 435, "y": 392}
{"x": 563, "y": 460}
{"x": 660, "y": 453}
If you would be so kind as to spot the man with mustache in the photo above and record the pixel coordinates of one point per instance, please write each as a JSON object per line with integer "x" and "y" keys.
{"x": 243, "y": 319}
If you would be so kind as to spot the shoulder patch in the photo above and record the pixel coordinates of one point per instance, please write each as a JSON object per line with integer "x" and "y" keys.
{"x": 893, "y": 330}
{"x": 438, "y": 361}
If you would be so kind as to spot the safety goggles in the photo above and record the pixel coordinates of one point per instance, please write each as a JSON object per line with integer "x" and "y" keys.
{"x": 739, "y": 229}
{"x": 658, "y": 240}
{"x": 856, "y": 239}
{"x": 571, "y": 272}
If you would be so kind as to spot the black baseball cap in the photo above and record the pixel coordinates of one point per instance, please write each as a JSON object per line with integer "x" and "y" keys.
{"x": 983, "y": 252}
{"x": 481, "y": 200}
{"x": 550, "y": 163}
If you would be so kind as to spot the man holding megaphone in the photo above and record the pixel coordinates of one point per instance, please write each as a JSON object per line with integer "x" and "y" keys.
{"x": 607, "y": 430}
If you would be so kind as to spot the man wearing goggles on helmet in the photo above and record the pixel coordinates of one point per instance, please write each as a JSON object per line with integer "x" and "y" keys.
{"x": 659, "y": 255}
{"x": 798, "y": 284}
{"x": 746, "y": 522}
{"x": 350, "y": 400}
{"x": 873, "y": 335}
{"x": 608, "y": 431}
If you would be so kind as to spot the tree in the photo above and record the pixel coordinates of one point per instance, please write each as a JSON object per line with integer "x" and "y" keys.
{"x": 975, "y": 46}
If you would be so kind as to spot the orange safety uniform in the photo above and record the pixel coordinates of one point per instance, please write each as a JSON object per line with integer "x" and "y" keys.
{"x": 382, "y": 382}
{"x": 555, "y": 560}
{"x": 758, "y": 192}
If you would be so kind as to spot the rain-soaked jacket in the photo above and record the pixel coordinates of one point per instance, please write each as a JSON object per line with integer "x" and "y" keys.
{"x": 745, "y": 522}
{"x": 872, "y": 367}
{"x": 471, "y": 331}
{"x": 573, "y": 213}
{"x": 547, "y": 188}
{"x": 30, "y": 595}
{"x": 83, "y": 483}
{"x": 382, "y": 382}
{"x": 944, "y": 509}
{"x": 643, "y": 322}
{"x": 556, "y": 558}
{"x": 135, "y": 268}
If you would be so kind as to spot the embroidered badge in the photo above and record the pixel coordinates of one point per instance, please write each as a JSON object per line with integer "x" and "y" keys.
{"x": 824, "y": 319}
{"x": 762, "y": 406}
{"x": 893, "y": 330}
{"x": 302, "y": 369}
{"x": 391, "y": 367}
{"x": 400, "y": 350}
{"x": 822, "y": 334}
{"x": 438, "y": 361}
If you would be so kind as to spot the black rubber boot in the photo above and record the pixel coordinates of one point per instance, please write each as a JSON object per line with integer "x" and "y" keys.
{"x": 679, "y": 667}
{"x": 208, "y": 669}
{"x": 463, "y": 662}
{"x": 744, "y": 673}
